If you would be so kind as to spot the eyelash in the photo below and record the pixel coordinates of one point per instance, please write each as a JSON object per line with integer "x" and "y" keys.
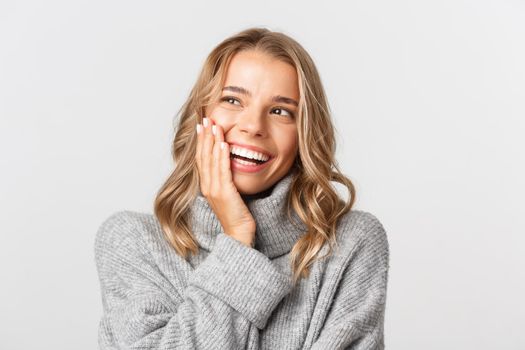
{"x": 226, "y": 98}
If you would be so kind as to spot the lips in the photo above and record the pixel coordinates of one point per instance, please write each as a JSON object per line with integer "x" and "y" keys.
{"x": 253, "y": 148}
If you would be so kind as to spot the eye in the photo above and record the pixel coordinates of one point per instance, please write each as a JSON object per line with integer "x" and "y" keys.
{"x": 229, "y": 98}
{"x": 290, "y": 114}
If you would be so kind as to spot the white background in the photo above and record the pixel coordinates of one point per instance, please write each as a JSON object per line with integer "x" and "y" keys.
{"x": 428, "y": 98}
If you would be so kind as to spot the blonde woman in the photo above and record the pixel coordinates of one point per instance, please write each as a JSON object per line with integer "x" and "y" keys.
{"x": 250, "y": 246}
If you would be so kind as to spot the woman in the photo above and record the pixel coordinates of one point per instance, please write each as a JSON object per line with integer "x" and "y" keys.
{"x": 250, "y": 245}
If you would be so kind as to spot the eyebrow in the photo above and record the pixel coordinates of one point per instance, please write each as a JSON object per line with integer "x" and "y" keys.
{"x": 277, "y": 98}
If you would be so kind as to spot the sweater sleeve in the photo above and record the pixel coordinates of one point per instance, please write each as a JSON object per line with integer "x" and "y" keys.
{"x": 356, "y": 318}
{"x": 229, "y": 296}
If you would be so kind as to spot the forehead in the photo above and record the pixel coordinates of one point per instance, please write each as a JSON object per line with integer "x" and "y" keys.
{"x": 262, "y": 74}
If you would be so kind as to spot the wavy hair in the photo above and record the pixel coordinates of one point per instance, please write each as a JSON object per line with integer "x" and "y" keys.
{"x": 311, "y": 195}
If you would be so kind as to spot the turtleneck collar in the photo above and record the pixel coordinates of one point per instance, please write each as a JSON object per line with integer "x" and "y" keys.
{"x": 275, "y": 235}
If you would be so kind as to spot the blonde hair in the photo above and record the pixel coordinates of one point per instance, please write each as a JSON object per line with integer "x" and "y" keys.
{"x": 311, "y": 194}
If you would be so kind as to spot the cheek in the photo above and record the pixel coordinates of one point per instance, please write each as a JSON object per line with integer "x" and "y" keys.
{"x": 288, "y": 144}
{"x": 219, "y": 120}
{"x": 224, "y": 117}
{"x": 213, "y": 113}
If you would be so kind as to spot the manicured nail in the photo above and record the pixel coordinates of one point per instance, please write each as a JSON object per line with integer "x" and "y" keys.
{"x": 223, "y": 145}
{"x": 205, "y": 122}
{"x": 213, "y": 129}
{"x": 199, "y": 128}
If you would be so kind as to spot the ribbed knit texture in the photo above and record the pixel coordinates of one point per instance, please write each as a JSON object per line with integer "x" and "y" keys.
{"x": 231, "y": 296}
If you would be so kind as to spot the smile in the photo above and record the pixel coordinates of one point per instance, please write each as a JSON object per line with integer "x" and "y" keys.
{"x": 248, "y": 165}
{"x": 247, "y": 156}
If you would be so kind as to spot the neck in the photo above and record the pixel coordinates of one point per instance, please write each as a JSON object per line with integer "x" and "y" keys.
{"x": 259, "y": 195}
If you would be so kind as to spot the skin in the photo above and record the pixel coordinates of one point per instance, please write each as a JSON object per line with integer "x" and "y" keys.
{"x": 254, "y": 120}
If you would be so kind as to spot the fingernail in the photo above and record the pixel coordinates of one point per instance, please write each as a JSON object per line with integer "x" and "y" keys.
{"x": 199, "y": 128}
{"x": 205, "y": 122}
{"x": 223, "y": 145}
{"x": 213, "y": 129}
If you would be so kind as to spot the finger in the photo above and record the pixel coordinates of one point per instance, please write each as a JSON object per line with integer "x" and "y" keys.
{"x": 216, "y": 179}
{"x": 206, "y": 154}
{"x": 198, "y": 150}
{"x": 224, "y": 166}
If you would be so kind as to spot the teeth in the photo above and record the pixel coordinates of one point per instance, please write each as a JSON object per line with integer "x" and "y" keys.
{"x": 248, "y": 153}
{"x": 245, "y": 162}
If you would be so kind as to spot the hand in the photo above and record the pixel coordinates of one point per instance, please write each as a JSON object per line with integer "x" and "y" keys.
{"x": 216, "y": 184}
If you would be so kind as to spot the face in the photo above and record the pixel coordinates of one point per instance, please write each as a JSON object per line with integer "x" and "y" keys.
{"x": 257, "y": 111}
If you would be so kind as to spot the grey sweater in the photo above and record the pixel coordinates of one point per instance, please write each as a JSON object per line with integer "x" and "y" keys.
{"x": 231, "y": 296}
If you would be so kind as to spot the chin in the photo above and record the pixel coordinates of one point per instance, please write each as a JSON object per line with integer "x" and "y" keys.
{"x": 249, "y": 187}
{"x": 251, "y": 184}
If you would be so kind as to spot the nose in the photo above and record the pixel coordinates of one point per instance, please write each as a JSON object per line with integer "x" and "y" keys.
{"x": 252, "y": 123}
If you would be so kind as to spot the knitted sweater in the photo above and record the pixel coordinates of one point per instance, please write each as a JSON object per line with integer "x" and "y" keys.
{"x": 232, "y": 296}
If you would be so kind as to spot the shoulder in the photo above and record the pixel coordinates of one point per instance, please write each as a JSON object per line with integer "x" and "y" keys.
{"x": 361, "y": 223}
{"x": 124, "y": 227}
{"x": 359, "y": 229}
